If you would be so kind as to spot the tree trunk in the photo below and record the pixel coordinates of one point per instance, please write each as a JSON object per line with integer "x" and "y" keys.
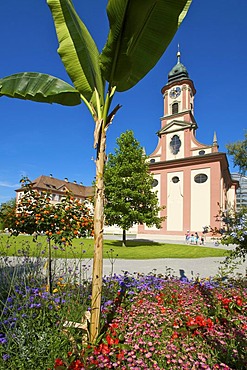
{"x": 124, "y": 238}
{"x": 98, "y": 240}
{"x": 49, "y": 267}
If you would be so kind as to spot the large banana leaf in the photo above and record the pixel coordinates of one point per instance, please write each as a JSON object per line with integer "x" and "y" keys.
{"x": 77, "y": 50}
{"x": 40, "y": 88}
{"x": 140, "y": 31}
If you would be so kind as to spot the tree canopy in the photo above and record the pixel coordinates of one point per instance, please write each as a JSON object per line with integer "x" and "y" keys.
{"x": 61, "y": 222}
{"x": 129, "y": 194}
{"x": 7, "y": 212}
{"x": 238, "y": 151}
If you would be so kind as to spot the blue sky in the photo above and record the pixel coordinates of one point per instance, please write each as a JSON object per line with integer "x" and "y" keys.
{"x": 47, "y": 139}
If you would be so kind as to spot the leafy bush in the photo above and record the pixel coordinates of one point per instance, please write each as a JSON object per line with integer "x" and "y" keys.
{"x": 236, "y": 233}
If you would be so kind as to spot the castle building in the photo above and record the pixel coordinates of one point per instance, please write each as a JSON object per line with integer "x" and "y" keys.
{"x": 192, "y": 179}
{"x": 57, "y": 188}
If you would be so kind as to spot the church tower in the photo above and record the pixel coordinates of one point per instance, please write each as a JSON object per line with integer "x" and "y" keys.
{"x": 191, "y": 179}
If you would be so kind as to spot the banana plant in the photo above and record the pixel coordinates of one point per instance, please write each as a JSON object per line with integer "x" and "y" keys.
{"x": 139, "y": 33}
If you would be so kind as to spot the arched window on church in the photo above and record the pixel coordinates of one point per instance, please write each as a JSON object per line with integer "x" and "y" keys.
{"x": 174, "y": 108}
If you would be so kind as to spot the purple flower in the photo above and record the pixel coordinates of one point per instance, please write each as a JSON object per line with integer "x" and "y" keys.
{"x": 3, "y": 339}
{"x": 5, "y": 357}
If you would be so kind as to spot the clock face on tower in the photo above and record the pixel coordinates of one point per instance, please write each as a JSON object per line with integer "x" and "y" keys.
{"x": 175, "y": 92}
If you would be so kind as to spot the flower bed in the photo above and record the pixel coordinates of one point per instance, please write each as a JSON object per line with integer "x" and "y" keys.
{"x": 148, "y": 322}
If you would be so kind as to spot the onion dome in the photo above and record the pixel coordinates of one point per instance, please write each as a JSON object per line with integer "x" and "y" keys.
{"x": 178, "y": 72}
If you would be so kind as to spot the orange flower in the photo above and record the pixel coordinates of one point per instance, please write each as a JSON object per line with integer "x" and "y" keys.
{"x": 174, "y": 335}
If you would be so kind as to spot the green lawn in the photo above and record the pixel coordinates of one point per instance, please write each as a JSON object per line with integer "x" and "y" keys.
{"x": 83, "y": 248}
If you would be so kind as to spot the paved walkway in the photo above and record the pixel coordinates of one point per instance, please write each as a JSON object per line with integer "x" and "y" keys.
{"x": 203, "y": 267}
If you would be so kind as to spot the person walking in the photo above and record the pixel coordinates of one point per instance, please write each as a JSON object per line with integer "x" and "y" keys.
{"x": 187, "y": 237}
{"x": 202, "y": 240}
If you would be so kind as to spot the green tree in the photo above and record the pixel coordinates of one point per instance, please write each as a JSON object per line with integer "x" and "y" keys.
{"x": 139, "y": 33}
{"x": 128, "y": 187}
{"x": 7, "y": 211}
{"x": 35, "y": 214}
{"x": 238, "y": 151}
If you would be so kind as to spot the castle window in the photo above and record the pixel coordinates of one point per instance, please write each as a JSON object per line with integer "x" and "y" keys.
{"x": 200, "y": 178}
{"x": 175, "y": 179}
{"x": 175, "y": 144}
{"x": 155, "y": 183}
{"x": 174, "y": 108}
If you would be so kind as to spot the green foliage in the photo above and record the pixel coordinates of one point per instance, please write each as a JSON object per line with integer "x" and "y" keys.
{"x": 236, "y": 233}
{"x": 7, "y": 211}
{"x": 140, "y": 32}
{"x": 31, "y": 325}
{"x": 39, "y": 87}
{"x": 24, "y": 245}
{"x": 128, "y": 186}
{"x": 61, "y": 222}
{"x": 239, "y": 152}
{"x": 78, "y": 51}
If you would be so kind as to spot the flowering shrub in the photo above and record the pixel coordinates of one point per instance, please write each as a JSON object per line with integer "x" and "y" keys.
{"x": 61, "y": 222}
{"x": 172, "y": 325}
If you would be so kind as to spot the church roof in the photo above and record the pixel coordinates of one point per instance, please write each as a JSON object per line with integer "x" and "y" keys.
{"x": 178, "y": 72}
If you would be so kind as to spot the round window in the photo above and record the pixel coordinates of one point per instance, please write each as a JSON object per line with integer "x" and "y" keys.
{"x": 152, "y": 160}
{"x": 200, "y": 178}
{"x": 201, "y": 152}
{"x": 155, "y": 183}
{"x": 175, "y": 179}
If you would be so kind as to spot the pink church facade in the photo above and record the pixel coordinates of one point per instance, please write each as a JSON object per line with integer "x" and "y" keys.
{"x": 192, "y": 179}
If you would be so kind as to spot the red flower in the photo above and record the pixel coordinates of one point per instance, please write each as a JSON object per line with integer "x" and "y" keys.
{"x": 120, "y": 356}
{"x": 76, "y": 365}
{"x": 190, "y": 322}
{"x": 200, "y": 322}
{"x": 225, "y": 302}
{"x": 239, "y": 301}
{"x": 210, "y": 323}
{"x": 59, "y": 364}
{"x": 114, "y": 325}
{"x": 111, "y": 340}
{"x": 102, "y": 348}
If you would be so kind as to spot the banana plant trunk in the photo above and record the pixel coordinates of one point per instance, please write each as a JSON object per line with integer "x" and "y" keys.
{"x": 98, "y": 239}
{"x": 49, "y": 277}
